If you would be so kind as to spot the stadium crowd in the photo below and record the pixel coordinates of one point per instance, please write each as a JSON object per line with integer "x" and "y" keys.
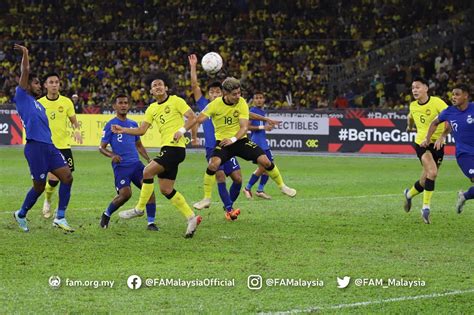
{"x": 275, "y": 47}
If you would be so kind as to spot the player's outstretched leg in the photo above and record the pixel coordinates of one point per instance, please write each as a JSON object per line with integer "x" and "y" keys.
{"x": 416, "y": 189}
{"x": 30, "y": 200}
{"x": 427, "y": 194}
{"x": 204, "y": 203}
{"x": 22, "y": 223}
{"x": 145, "y": 193}
{"x": 460, "y": 202}
{"x": 274, "y": 174}
{"x": 178, "y": 200}
{"x": 407, "y": 201}
{"x": 193, "y": 223}
{"x": 261, "y": 187}
{"x": 209, "y": 181}
{"x": 65, "y": 177}
{"x": 462, "y": 197}
{"x": 48, "y": 192}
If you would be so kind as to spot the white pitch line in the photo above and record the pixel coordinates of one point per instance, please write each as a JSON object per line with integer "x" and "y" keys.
{"x": 366, "y": 303}
{"x": 292, "y": 200}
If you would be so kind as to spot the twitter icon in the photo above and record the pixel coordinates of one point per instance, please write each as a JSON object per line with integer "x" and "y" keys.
{"x": 344, "y": 282}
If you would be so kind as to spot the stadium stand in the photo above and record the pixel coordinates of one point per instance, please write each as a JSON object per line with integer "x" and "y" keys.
{"x": 283, "y": 49}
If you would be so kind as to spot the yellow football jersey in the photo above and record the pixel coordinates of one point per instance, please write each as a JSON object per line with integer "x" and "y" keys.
{"x": 225, "y": 117}
{"x": 169, "y": 117}
{"x": 424, "y": 114}
{"x": 58, "y": 112}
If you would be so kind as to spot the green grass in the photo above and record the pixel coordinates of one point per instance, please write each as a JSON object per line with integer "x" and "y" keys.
{"x": 347, "y": 219}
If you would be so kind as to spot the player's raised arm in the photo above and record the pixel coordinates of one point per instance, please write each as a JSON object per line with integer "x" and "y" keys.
{"x": 25, "y": 66}
{"x": 194, "y": 80}
{"x": 140, "y": 131}
{"x": 270, "y": 121}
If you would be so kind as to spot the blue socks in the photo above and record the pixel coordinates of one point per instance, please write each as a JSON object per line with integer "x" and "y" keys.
{"x": 64, "y": 196}
{"x": 234, "y": 191}
{"x": 29, "y": 202}
{"x": 224, "y": 194}
{"x": 111, "y": 209}
{"x": 150, "y": 212}
{"x": 253, "y": 179}
{"x": 263, "y": 182}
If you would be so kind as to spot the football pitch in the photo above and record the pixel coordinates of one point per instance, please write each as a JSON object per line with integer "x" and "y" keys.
{"x": 346, "y": 220}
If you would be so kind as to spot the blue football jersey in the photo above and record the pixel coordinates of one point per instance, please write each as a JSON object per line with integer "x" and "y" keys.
{"x": 462, "y": 125}
{"x": 33, "y": 116}
{"x": 209, "y": 134}
{"x": 122, "y": 144}
{"x": 258, "y": 136}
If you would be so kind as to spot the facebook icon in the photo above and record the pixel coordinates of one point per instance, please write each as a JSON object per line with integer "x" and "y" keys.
{"x": 134, "y": 282}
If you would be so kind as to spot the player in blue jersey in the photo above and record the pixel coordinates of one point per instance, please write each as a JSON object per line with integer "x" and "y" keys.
{"x": 258, "y": 135}
{"x": 41, "y": 154}
{"x": 125, "y": 162}
{"x": 461, "y": 120}
{"x": 230, "y": 168}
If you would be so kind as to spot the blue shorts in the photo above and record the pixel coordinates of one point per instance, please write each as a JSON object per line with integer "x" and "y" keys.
{"x": 466, "y": 163}
{"x": 126, "y": 174}
{"x": 42, "y": 158}
{"x": 228, "y": 167}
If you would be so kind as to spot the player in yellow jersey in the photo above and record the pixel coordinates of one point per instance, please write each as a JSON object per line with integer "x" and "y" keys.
{"x": 230, "y": 115}
{"x": 168, "y": 112}
{"x": 423, "y": 111}
{"x": 60, "y": 111}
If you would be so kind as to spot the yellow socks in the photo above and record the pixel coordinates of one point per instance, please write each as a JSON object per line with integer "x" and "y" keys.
{"x": 179, "y": 202}
{"x": 209, "y": 181}
{"x": 49, "y": 191}
{"x": 145, "y": 194}
{"x": 276, "y": 176}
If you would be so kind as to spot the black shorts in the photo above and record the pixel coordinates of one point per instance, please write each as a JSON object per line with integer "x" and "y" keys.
{"x": 169, "y": 158}
{"x": 243, "y": 148}
{"x": 67, "y": 153}
{"x": 437, "y": 154}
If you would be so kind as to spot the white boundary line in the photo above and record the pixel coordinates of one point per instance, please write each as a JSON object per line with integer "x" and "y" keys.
{"x": 366, "y": 303}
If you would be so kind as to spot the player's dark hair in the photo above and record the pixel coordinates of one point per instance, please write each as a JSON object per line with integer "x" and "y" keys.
{"x": 422, "y": 80}
{"x": 49, "y": 75}
{"x": 120, "y": 95}
{"x": 463, "y": 87}
{"x": 158, "y": 76}
{"x": 259, "y": 92}
{"x": 215, "y": 84}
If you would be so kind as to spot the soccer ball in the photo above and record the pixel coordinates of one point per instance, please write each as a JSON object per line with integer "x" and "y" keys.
{"x": 211, "y": 62}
